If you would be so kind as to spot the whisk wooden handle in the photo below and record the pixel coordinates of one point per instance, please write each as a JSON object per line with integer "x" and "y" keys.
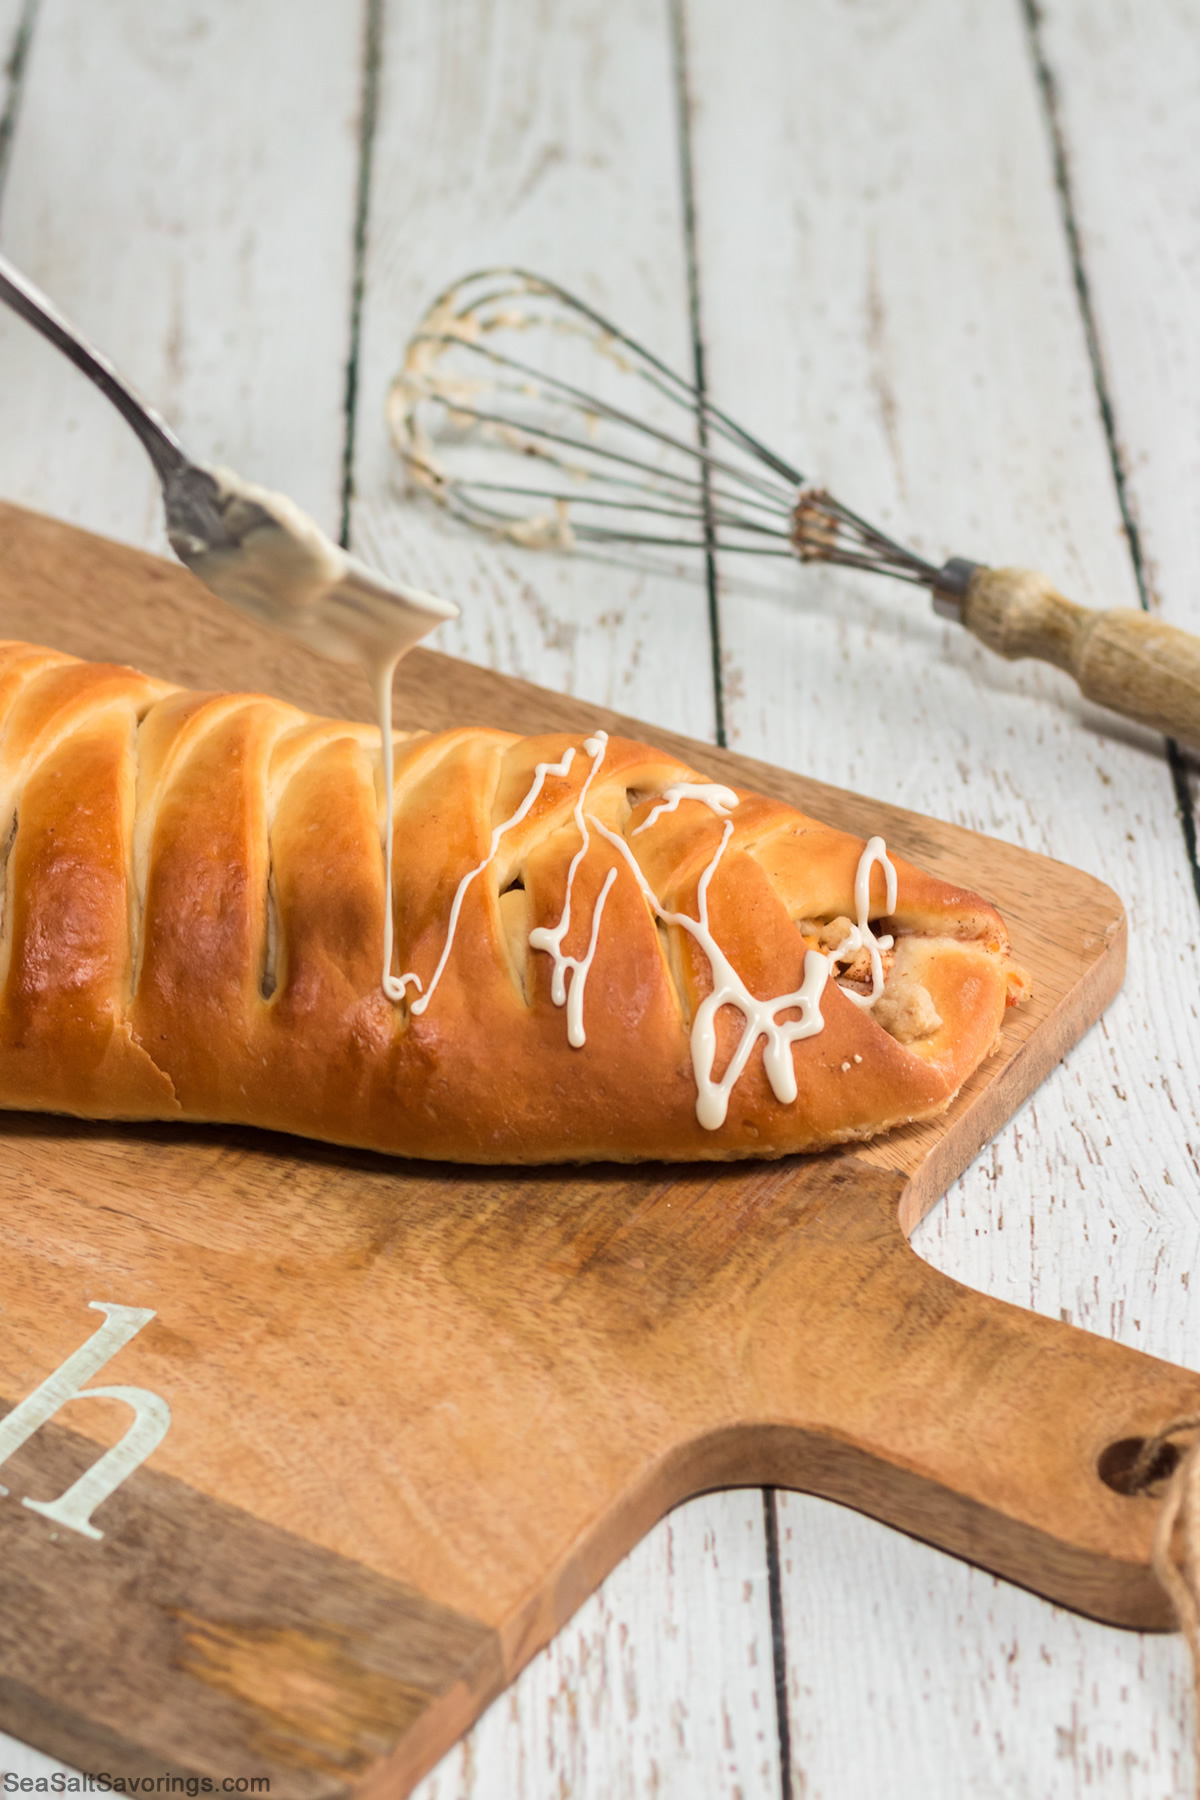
{"x": 1121, "y": 658}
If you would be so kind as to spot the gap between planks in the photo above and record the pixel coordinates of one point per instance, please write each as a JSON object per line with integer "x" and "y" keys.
{"x": 367, "y": 123}
{"x": 683, "y": 111}
{"x": 1048, "y": 94}
{"x": 15, "y": 50}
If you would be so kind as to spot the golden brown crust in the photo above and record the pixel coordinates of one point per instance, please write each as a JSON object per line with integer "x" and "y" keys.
{"x": 193, "y": 920}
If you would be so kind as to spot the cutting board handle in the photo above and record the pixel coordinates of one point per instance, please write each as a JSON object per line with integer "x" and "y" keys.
{"x": 995, "y": 1433}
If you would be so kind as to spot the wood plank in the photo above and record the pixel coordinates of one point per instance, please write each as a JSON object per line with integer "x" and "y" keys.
{"x": 927, "y": 359}
{"x": 1127, "y": 83}
{"x": 546, "y": 139}
{"x": 212, "y": 264}
{"x": 550, "y": 140}
{"x": 1003, "y": 1694}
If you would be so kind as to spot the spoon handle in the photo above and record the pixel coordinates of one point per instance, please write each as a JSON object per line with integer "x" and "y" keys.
{"x": 159, "y": 441}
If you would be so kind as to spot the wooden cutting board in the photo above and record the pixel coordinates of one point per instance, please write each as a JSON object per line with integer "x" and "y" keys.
{"x": 416, "y": 1412}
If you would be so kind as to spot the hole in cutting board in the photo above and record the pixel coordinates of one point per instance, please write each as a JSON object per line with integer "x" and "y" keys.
{"x": 1116, "y": 1464}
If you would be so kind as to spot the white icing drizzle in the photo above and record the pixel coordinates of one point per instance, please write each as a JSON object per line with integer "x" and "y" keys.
{"x": 728, "y": 989}
{"x": 860, "y": 935}
{"x": 718, "y": 799}
{"x": 395, "y": 986}
{"x": 381, "y": 681}
{"x": 761, "y": 1016}
{"x": 551, "y": 938}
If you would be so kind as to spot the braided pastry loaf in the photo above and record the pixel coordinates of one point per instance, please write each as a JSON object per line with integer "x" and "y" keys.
{"x": 193, "y": 920}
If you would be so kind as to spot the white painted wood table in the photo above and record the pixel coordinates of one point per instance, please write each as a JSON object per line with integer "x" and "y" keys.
{"x": 948, "y": 257}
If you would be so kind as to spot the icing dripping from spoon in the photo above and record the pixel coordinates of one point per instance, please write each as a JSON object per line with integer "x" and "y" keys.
{"x": 395, "y": 987}
{"x": 551, "y": 938}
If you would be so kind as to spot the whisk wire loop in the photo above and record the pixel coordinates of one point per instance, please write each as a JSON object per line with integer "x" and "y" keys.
{"x": 467, "y": 410}
{"x": 594, "y": 405}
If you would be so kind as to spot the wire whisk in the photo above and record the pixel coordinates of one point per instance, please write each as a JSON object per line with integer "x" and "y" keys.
{"x": 487, "y": 371}
{"x": 494, "y": 421}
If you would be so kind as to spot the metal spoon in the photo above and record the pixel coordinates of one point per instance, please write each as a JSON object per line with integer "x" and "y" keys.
{"x": 254, "y": 549}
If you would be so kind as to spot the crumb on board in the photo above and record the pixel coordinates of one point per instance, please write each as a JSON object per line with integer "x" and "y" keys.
{"x": 1019, "y": 986}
